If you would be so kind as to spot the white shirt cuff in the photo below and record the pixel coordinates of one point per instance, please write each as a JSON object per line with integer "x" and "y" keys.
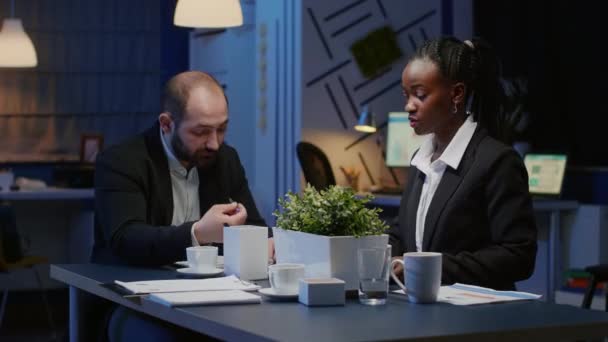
{"x": 194, "y": 240}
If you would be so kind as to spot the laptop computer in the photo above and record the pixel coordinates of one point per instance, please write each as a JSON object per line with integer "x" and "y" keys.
{"x": 545, "y": 174}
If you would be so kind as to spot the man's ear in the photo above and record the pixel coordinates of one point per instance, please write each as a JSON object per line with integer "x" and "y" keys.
{"x": 166, "y": 122}
{"x": 458, "y": 92}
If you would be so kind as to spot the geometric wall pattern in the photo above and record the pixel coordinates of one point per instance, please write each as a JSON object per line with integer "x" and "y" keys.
{"x": 334, "y": 89}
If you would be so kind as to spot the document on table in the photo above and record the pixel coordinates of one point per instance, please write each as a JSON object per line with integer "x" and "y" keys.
{"x": 205, "y": 298}
{"x": 462, "y": 294}
{"x": 185, "y": 285}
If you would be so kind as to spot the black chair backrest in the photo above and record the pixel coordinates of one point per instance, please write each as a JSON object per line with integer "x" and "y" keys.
{"x": 74, "y": 175}
{"x": 315, "y": 165}
{"x": 9, "y": 237}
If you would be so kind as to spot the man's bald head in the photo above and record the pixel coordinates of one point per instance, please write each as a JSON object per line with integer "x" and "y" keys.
{"x": 178, "y": 88}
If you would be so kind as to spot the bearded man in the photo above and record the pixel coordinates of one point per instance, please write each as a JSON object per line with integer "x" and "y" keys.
{"x": 174, "y": 186}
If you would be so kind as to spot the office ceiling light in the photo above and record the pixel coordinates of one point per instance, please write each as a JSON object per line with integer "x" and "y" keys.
{"x": 16, "y": 48}
{"x": 367, "y": 121}
{"x": 208, "y": 13}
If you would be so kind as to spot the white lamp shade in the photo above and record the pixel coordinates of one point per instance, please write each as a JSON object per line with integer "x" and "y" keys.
{"x": 208, "y": 13}
{"x": 16, "y": 48}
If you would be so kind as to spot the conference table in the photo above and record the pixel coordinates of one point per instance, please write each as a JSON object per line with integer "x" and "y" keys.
{"x": 554, "y": 207}
{"x": 90, "y": 287}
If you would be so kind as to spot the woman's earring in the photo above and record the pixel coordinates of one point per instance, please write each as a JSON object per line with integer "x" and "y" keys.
{"x": 455, "y": 108}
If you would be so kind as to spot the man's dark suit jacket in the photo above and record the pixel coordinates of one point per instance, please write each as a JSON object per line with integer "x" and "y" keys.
{"x": 134, "y": 201}
{"x": 480, "y": 218}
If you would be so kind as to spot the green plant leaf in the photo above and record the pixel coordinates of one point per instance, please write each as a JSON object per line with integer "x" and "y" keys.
{"x": 335, "y": 211}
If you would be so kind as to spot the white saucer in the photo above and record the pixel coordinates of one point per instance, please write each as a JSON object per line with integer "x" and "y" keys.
{"x": 220, "y": 262}
{"x": 269, "y": 291}
{"x": 207, "y": 272}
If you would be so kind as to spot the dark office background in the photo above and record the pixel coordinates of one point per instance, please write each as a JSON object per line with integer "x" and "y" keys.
{"x": 557, "y": 46}
{"x": 63, "y": 25}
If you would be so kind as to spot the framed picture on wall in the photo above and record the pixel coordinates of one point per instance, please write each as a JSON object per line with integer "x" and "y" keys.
{"x": 90, "y": 145}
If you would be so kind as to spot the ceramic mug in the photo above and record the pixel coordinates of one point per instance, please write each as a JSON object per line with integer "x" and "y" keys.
{"x": 422, "y": 276}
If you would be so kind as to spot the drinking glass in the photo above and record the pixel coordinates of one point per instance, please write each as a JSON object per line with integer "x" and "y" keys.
{"x": 373, "y": 265}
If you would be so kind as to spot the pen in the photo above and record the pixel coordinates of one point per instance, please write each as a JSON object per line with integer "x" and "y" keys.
{"x": 230, "y": 200}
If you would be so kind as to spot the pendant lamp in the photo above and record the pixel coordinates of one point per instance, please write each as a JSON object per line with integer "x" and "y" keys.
{"x": 208, "y": 13}
{"x": 16, "y": 47}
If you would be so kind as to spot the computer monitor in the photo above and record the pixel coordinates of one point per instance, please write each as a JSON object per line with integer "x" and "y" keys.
{"x": 401, "y": 140}
{"x": 545, "y": 173}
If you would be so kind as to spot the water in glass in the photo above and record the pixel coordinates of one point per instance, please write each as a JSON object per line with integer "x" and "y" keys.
{"x": 373, "y": 266}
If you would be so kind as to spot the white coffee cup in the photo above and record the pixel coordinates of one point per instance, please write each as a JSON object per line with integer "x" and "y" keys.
{"x": 285, "y": 278}
{"x": 422, "y": 276}
{"x": 202, "y": 257}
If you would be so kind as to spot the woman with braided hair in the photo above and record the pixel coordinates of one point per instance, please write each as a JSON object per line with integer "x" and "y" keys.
{"x": 467, "y": 191}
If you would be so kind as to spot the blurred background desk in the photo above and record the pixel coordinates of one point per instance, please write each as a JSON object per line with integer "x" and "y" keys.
{"x": 54, "y": 222}
{"x": 47, "y": 194}
{"x": 552, "y": 259}
{"x": 388, "y": 201}
{"x": 555, "y": 209}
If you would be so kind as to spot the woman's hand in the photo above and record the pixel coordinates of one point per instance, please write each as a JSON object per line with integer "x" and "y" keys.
{"x": 398, "y": 267}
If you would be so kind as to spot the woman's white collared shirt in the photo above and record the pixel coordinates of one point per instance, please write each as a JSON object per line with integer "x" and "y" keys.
{"x": 433, "y": 171}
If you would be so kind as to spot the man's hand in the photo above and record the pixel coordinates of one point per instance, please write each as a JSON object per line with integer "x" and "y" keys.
{"x": 271, "y": 256}
{"x": 210, "y": 228}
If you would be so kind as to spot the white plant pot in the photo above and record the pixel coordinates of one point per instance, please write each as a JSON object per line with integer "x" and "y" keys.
{"x": 324, "y": 256}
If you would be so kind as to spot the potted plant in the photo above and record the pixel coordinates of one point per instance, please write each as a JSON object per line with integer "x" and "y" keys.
{"x": 324, "y": 229}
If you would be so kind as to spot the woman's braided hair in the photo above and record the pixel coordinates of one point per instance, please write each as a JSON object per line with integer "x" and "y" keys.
{"x": 474, "y": 64}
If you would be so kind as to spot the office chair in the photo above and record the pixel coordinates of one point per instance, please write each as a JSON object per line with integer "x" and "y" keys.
{"x": 599, "y": 274}
{"x": 315, "y": 165}
{"x": 74, "y": 175}
{"x": 12, "y": 258}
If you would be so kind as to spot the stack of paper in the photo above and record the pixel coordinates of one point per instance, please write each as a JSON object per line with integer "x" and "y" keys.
{"x": 204, "y": 298}
{"x": 185, "y": 285}
{"x": 462, "y": 294}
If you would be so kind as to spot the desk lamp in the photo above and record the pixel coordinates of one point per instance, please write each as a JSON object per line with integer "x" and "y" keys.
{"x": 367, "y": 121}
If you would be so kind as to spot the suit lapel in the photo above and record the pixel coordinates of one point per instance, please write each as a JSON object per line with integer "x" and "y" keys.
{"x": 212, "y": 189}
{"x": 414, "y": 199}
{"x": 163, "y": 181}
{"x": 207, "y": 191}
{"x": 450, "y": 181}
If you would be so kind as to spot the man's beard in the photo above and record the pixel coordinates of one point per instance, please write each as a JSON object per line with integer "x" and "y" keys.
{"x": 201, "y": 158}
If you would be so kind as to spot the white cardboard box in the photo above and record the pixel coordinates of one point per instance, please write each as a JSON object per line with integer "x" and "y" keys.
{"x": 246, "y": 252}
{"x": 321, "y": 291}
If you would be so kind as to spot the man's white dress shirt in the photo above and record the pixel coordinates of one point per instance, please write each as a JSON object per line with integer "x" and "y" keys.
{"x": 184, "y": 183}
